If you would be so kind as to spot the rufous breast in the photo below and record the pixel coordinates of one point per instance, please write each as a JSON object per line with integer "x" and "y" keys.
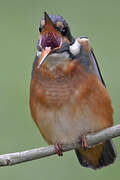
{"x": 67, "y": 102}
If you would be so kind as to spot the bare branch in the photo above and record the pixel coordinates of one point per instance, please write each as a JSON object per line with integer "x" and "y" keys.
{"x": 92, "y": 139}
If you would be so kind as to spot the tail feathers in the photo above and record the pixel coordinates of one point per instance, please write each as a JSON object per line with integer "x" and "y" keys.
{"x": 109, "y": 154}
{"x": 107, "y": 157}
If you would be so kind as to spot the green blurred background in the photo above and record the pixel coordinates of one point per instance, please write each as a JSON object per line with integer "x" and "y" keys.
{"x": 19, "y": 22}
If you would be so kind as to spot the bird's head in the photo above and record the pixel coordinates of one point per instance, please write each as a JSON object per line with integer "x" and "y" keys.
{"x": 55, "y": 36}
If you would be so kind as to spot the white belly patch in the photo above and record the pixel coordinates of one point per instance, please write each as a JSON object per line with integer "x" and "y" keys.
{"x": 65, "y": 126}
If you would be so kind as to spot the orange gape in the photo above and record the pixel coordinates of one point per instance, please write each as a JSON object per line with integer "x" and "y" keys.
{"x": 68, "y": 99}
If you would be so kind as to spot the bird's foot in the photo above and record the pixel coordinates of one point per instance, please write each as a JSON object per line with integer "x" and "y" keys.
{"x": 58, "y": 149}
{"x": 84, "y": 142}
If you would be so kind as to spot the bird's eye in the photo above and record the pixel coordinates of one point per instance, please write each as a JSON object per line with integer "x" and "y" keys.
{"x": 64, "y": 31}
{"x": 40, "y": 29}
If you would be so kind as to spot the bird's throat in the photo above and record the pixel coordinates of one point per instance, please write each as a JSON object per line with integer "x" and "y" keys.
{"x": 55, "y": 60}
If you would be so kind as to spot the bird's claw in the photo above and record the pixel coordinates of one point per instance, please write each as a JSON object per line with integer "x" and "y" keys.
{"x": 58, "y": 149}
{"x": 84, "y": 142}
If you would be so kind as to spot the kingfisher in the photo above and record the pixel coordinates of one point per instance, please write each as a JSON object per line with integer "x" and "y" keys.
{"x": 68, "y": 96}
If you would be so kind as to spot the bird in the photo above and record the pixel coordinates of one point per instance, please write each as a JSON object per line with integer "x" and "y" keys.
{"x": 68, "y": 96}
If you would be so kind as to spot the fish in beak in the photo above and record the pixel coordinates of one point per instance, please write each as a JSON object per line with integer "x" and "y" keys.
{"x": 50, "y": 39}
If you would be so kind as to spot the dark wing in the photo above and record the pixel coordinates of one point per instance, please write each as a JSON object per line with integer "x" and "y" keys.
{"x": 96, "y": 67}
{"x": 108, "y": 156}
{"x": 89, "y": 62}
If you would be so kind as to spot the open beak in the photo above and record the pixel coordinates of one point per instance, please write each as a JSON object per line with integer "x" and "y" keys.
{"x": 50, "y": 39}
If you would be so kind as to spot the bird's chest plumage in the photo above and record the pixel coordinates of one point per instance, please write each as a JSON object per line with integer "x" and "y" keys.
{"x": 64, "y": 103}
